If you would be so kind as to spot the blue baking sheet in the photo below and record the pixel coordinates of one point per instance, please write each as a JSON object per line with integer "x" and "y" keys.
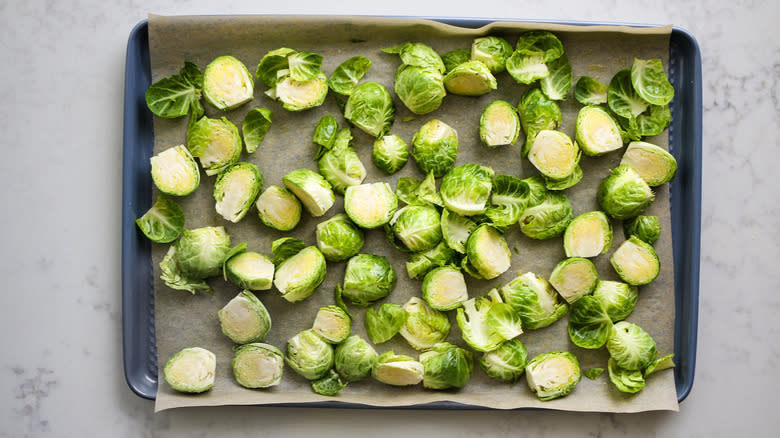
{"x": 685, "y": 134}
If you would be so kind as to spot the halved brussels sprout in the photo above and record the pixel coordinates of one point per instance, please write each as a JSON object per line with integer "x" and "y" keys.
{"x": 227, "y": 83}
{"x": 258, "y": 365}
{"x": 420, "y": 263}
{"x": 540, "y": 42}
{"x": 215, "y": 142}
{"x": 547, "y": 219}
{"x": 456, "y": 230}
{"x": 278, "y": 208}
{"x": 355, "y": 358}
{"x": 162, "y": 223}
{"x": 309, "y": 355}
{"x": 172, "y": 276}
{"x": 256, "y": 124}
{"x": 370, "y": 108}
{"x": 435, "y": 147}
{"x": 624, "y": 194}
{"x": 662, "y": 363}
{"x": 285, "y": 248}
{"x": 650, "y": 81}
{"x": 534, "y": 300}
{"x": 368, "y": 278}
{"x": 236, "y": 189}
{"x": 390, "y": 153}
{"x": 493, "y": 51}
{"x": 311, "y": 188}
{"x": 499, "y": 124}
{"x": 370, "y": 205}
{"x": 646, "y": 228}
{"x": 618, "y": 299}
{"x": 554, "y": 154}
{"x": 421, "y": 89}
{"x": 454, "y": 58}
{"x": 630, "y": 346}
{"x": 636, "y": 262}
{"x": 299, "y": 276}
{"x": 526, "y": 69}
{"x": 397, "y": 370}
{"x": 589, "y": 91}
{"x": 629, "y": 381}
{"x": 384, "y": 322}
{"x": 472, "y": 78}
{"x": 417, "y": 54}
{"x": 537, "y": 113}
{"x": 446, "y": 366}
{"x": 250, "y": 270}
{"x": 201, "y": 252}
{"x": 424, "y": 326}
{"x": 338, "y": 238}
{"x": 553, "y": 375}
{"x": 574, "y": 278}
{"x": 589, "y": 323}
{"x": 272, "y": 62}
{"x": 466, "y": 189}
{"x": 244, "y": 319}
{"x": 488, "y": 252}
{"x": 296, "y": 95}
{"x": 655, "y": 165}
{"x": 506, "y": 363}
{"x": 588, "y": 235}
{"x": 444, "y": 288}
{"x": 417, "y": 227}
{"x": 623, "y": 100}
{"x": 597, "y": 131}
{"x": 192, "y": 370}
{"x": 342, "y": 168}
{"x": 333, "y": 324}
{"x": 175, "y": 172}
{"x": 345, "y": 78}
{"x": 479, "y": 330}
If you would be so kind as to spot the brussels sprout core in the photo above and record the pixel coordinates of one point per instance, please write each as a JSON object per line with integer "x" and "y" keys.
{"x": 574, "y": 278}
{"x": 488, "y": 252}
{"x": 311, "y": 188}
{"x": 235, "y": 190}
{"x": 597, "y": 131}
{"x": 332, "y": 324}
{"x": 193, "y": 370}
{"x": 636, "y": 262}
{"x": 588, "y": 235}
{"x": 397, "y": 370}
{"x": 553, "y": 375}
{"x": 300, "y": 275}
{"x": 175, "y": 172}
{"x": 554, "y": 154}
{"x": 244, "y": 319}
{"x": 370, "y": 205}
{"x": 499, "y": 124}
{"x": 472, "y": 78}
{"x": 444, "y": 288}
{"x": 302, "y": 95}
{"x": 655, "y": 165}
{"x": 258, "y": 365}
{"x": 250, "y": 270}
{"x": 279, "y": 208}
{"x": 227, "y": 83}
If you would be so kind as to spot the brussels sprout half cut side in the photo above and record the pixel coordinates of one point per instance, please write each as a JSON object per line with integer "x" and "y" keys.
{"x": 236, "y": 189}
{"x": 309, "y": 355}
{"x": 636, "y": 262}
{"x": 466, "y": 189}
{"x": 227, "y": 83}
{"x": 435, "y": 148}
{"x": 588, "y": 235}
{"x": 216, "y": 143}
{"x": 333, "y": 324}
{"x": 472, "y": 78}
{"x": 278, "y": 208}
{"x": 299, "y": 276}
{"x": 368, "y": 278}
{"x": 446, "y": 366}
{"x": 597, "y": 132}
{"x": 554, "y": 154}
{"x": 499, "y": 124}
{"x": 488, "y": 252}
{"x": 397, "y": 370}
{"x": 655, "y": 165}
{"x": 301, "y": 95}
{"x": 534, "y": 300}
{"x": 338, "y": 238}
{"x": 354, "y": 359}
{"x": 310, "y": 187}
{"x": 424, "y": 325}
{"x": 444, "y": 288}
{"x": 250, "y": 270}
{"x": 258, "y": 365}
{"x": 244, "y": 319}
{"x": 553, "y": 375}
{"x": 370, "y": 205}
{"x": 574, "y": 278}
{"x": 175, "y": 172}
{"x": 624, "y": 194}
{"x": 191, "y": 370}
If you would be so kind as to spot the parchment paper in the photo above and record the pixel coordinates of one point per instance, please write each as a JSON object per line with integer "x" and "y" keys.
{"x": 184, "y": 320}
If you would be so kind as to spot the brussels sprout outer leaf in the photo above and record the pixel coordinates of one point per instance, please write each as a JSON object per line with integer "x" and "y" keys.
{"x": 650, "y": 81}
{"x": 622, "y": 98}
{"x": 593, "y": 373}
{"x": 256, "y": 124}
{"x": 173, "y": 277}
{"x": 630, "y": 381}
{"x": 493, "y": 51}
{"x": 589, "y": 91}
{"x": 325, "y": 134}
{"x": 383, "y": 322}
{"x": 454, "y": 58}
{"x": 659, "y": 364}
{"x": 630, "y": 346}
{"x": 345, "y": 78}
{"x": 547, "y": 219}
{"x": 354, "y": 359}
{"x": 540, "y": 42}
{"x": 646, "y": 228}
{"x": 368, "y": 278}
{"x": 589, "y": 323}
{"x": 557, "y": 84}
{"x": 370, "y": 108}
{"x": 272, "y": 62}
{"x": 174, "y": 96}
{"x": 162, "y": 223}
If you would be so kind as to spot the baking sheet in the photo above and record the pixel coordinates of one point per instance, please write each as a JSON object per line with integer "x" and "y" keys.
{"x": 183, "y": 320}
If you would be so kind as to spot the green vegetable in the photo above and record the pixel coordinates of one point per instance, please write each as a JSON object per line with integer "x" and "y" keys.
{"x": 487, "y": 252}
{"x": 417, "y": 54}
{"x": 483, "y": 322}
{"x": 383, "y": 322}
{"x": 244, "y": 319}
{"x": 272, "y": 62}
{"x": 299, "y": 276}
{"x": 650, "y": 81}
{"x": 435, "y": 147}
{"x": 236, "y": 189}
{"x": 654, "y": 120}
{"x": 314, "y": 192}
{"x": 589, "y": 323}
{"x": 454, "y": 58}
{"x": 506, "y": 363}
{"x": 338, "y": 238}
{"x": 175, "y": 279}
{"x": 553, "y": 375}
{"x": 162, "y": 223}
{"x": 548, "y": 218}
{"x": 424, "y": 326}
{"x": 258, "y": 365}
{"x": 554, "y": 155}
{"x": 300, "y": 95}
{"x": 397, "y": 370}
{"x": 215, "y": 142}
{"x": 597, "y": 131}
{"x": 466, "y": 189}
{"x": 499, "y": 124}
{"x": 444, "y": 288}
{"x": 653, "y": 164}
{"x": 370, "y": 108}
{"x": 526, "y": 69}
{"x": 250, "y": 270}
{"x": 593, "y": 373}
{"x": 493, "y": 51}
{"x": 390, "y": 153}
{"x": 421, "y": 89}
{"x": 417, "y": 227}
{"x": 342, "y": 168}
{"x": 333, "y": 324}
{"x": 446, "y": 366}
{"x": 368, "y": 278}
{"x": 200, "y": 253}
{"x": 636, "y": 262}
{"x": 420, "y": 263}
{"x": 255, "y": 126}
{"x": 624, "y": 194}
{"x": 415, "y": 192}
{"x": 354, "y": 359}
{"x": 472, "y": 78}
{"x": 630, "y": 381}
{"x": 618, "y": 299}
{"x": 370, "y": 205}
{"x": 278, "y": 208}
{"x": 175, "y": 95}
{"x": 227, "y": 84}
{"x": 325, "y": 134}
{"x": 309, "y": 355}
{"x": 589, "y": 91}
{"x": 285, "y": 248}
{"x": 646, "y": 228}
{"x": 304, "y": 66}
{"x": 534, "y": 300}
{"x": 622, "y": 98}
{"x": 345, "y": 78}
{"x": 456, "y": 230}
{"x": 557, "y": 84}
{"x": 574, "y": 278}
{"x": 191, "y": 370}
{"x": 175, "y": 172}
{"x": 630, "y": 346}
{"x": 662, "y": 363}
{"x": 588, "y": 235}
{"x": 537, "y": 113}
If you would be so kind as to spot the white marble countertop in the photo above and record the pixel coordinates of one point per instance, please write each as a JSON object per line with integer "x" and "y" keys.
{"x": 62, "y": 66}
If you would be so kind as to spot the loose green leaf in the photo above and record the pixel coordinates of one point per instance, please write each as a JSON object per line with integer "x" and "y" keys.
{"x": 593, "y": 373}
{"x": 540, "y": 42}
{"x": 557, "y": 84}
{"x": 173, "y": 96}
{"x": 172, "y": 276}
{"x": 285, "y": 248}
{"x": 304, "y": 65}
{"x": 622, "y": 98}
{"x": 256, "y": 124}
{"x": 589, "y": 91}
{"x": 650, "y": 81}
{"x": 347, "y": 75}
{"x": 163, "y": 222}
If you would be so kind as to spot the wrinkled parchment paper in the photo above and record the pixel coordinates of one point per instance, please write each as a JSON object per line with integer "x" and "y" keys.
{"x": 184, "y": 320}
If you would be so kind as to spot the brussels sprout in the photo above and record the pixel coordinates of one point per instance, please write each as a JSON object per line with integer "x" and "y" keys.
{"x": 564, "y": 183}
{"x": 329, "y": 385}
{"x": 370, "y": 108}
{"x": 534, "y": 300}
{"x": 272, "y": 62}
{"x": 589, "y": 91}
{"x": 368, "y": 278}
{"x": 557, "y": 84}
{"x": 175, "y": 95}
{"x": 397, "y": 370}
{"x": 499, "y": 124}
{"x": 338, "y": 238}
{"x": 646, "y": 228}
{"x": 309, "y": 355}
{"x": 654, "y": 120}
{"x": 454, "y": 58}
{"x": 215, "y": 142}
{"x": 347, "y": 75}
{"x": 421, "y": 89}
{"x": 435, "y": 147}
{"x": 384, "y": 322}
{"x": 162, "y": 223}
{"x": 420, "y": 263}
{"x": 175, "y": 172}
{"x": 370, "y": 205}
{"x": 630, "y": 346}
{"x": 250, "y": 270}
{"x": 354, "y": 359}
{"x": 244, "y": 319}
{"x": 304, "y": 65}
{"x": 547, "y": 219}
{"x": 342, "y": 168}
{"x": 553, "y": 375}
{"x": 506, "y": 363}
{"x": 299, "y": 276}
{"x": 618, "y": 299}
{"x": 623, "y": 100}
{"x": 480, "y": 320}
{"x": 278, "y": 208}
{"x": 630, "y": 381}
{"x": 227, "y": 83}
{"x": 415, "y": 192}
{"x": 390, "y": 153}
{"x": 574, "y": 278}
{"x": 201, "y": 252}
{"x": 653, "y": 164}
{"x": 624, "y": 194}
{"x": 285, "y": 248}
{"x": 417, "y": 54}
{"x": 456, "y": 230}
{"x": 173, "y": 277}
{"x": 589, "y": 323}
{"x": 493, "y": 51}
{"x": 636, "y": 262}
{"x": 325, "y": 134}
{"x": 444, "y": 288}
{"x": 446, "y": 366}
{"x": 554, "y": 154}
{"x": 488, "y": 252}
{"x": 526, "y": 69}
{"x": 417, "y": 227}
{"x": 424, "y": 326}
{"x": 236, "y": 189}
{"x": 466, "y": 189}
{"x": 597, "y": 131}
{"x": 588, "y": 235}
{"x": 301, "y": 95}
{"x": 258, "y": 365}
{"x": 191, "y": 370}
{"x": 254, "y": 127}
{"x": 650, "y": 81}
{"x": 333, "y": 324}
{"x": 593, "y": 373}
{"x": 662, "y": 363}
{"x": 312, "y": 189}
{"x": 537, "y": 113}
{"x": 472, "y": 78}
